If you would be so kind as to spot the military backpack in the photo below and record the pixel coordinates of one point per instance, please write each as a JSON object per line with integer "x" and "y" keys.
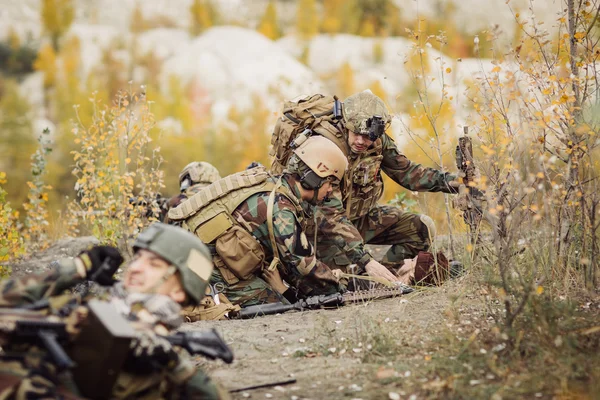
{"x": 317, "y": 114}
{"x": 208, "y": 214}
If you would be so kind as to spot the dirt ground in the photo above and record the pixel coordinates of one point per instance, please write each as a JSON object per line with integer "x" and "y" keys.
{"x": 374, "y": 350}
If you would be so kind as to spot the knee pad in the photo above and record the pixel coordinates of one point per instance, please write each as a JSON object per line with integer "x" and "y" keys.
{"x": 428, "y": 222}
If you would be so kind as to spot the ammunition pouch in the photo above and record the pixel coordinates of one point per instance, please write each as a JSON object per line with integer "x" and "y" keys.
{"x": 364, "y": 186}
{"x": 241, "y": 253}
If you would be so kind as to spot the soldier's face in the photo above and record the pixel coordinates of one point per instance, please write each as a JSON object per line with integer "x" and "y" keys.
{"x": 358, "y": 143}
{"x": 145, "y": 274}
{"x": 325, "y": 191}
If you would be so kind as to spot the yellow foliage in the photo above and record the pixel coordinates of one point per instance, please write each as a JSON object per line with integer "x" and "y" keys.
{"x": 268, "y": 25}
{"x": 203, "y": 15}
{"x": 11, "y": 243}
{"x": 378, "y": 53}
{"x": 16, "y": 141}
{"x": 46, "y": 63}
{"x": 13, "y": 39}
{"x": 306, "y": 17}
{"x": 345, "y": 81}
{"x": 332, "y": 16}
{"x": 57, "y": 16}
{"x": 137, "y": 23}
{"x": 115, "y": 165}
{"x": 367, "y": 28}
{"x": 379, "y": 91}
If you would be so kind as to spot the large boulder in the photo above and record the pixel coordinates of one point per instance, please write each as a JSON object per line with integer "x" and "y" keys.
{"x": 235, "y": 64}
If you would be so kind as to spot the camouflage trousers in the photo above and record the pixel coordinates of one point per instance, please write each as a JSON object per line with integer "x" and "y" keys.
{"x": 408, "y": 233}
{"x": 28, "y": 377}
{"x": 24, "y": 377}
{"x": 248, "y": 292}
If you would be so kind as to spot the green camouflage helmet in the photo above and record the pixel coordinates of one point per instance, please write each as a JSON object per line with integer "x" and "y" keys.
{"x": 199, "y": 172}
{"x": 360, "y": 108}
{"x": 184, "y": 251}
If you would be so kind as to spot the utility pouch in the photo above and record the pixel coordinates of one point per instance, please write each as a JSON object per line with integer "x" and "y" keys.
{"x": 241, "y": 252}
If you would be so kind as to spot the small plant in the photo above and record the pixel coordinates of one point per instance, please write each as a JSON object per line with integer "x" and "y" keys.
{"x": 36, "y": 210}
{"x": 11, "y": 243}
{"x": 401, "y": 201}
{"x": 378, "y": 52}
{"x": 118, "y": 172}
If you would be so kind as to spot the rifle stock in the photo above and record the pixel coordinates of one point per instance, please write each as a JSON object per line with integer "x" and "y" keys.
{"x": 206, "y": 343}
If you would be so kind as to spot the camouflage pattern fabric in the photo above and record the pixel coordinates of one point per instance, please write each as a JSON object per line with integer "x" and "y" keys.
{"x": 26, "y": 373}
{"x": 24, "y": 379}
{"x": 299, "y": 265}
{"x": 379, "y": 224}
{"x": 406, "y": 232}
{"x": 29, "y": 288}
{"x": 247, "y": 293}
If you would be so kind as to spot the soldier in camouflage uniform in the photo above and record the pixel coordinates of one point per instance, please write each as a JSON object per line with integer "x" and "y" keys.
{"x": 313, "y": 170}
{"x": 351, "y": 217}
{"x": 194, "y": 177}
{"x": 170, "y": 267}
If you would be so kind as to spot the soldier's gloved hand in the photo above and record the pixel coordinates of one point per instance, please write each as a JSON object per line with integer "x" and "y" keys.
{"x": 101, "y": 263}
{"x": 150, "y": 352}
{"x": 378, "y": 270}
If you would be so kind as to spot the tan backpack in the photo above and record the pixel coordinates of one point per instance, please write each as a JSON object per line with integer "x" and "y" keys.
{"x": 317, "y": 114}
{"x": 208, "y": 214}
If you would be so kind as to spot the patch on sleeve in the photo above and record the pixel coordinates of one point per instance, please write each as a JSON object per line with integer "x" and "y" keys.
{"x": 302, "y": 246}
{"x": 199, "y": 264}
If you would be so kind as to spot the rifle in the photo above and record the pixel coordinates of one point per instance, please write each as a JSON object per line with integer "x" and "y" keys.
{"x": 323, "y": 301}
{"x": 206, "y": 343}
{"x": 100, "y": 347}
{"x": 467, "y": 201}
{"x": 31, "y": 326}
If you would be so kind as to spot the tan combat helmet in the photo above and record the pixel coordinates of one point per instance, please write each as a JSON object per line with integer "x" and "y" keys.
{"x": 198, "y": 172}
{"x": 182, "y": 249}
{"x": 323, "y": 159}
{"x": 366, "y": 114}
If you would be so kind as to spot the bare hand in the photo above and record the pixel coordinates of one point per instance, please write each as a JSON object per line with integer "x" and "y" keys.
{"x": 273, "y": 278}
{"x": 377, "y": 270}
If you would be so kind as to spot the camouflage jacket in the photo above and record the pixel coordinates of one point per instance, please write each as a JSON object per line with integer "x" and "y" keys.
{"x": 362, "y": 187}
{"x": 299, "y": 265}
{"x": 155, "y": 313}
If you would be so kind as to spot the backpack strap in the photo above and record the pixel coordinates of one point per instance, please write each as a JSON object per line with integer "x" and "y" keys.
{"x": 270, "y": 228}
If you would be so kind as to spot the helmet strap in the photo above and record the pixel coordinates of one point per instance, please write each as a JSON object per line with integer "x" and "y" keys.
{"x": 315, "y": 196}
{"x": 168, "y": 273}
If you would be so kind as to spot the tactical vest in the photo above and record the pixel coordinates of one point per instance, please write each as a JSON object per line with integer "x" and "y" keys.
{"x": 192, "y": 190}
{"x": 362, "y": 186}
{"x": 208, "y": 214}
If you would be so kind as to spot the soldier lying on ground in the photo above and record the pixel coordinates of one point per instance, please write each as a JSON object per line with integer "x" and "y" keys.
{"x": 252, "y": 221}
{"x": 194, "y": 177}
{"x": 351, "y": 217}
{"x": 170, "y": 268}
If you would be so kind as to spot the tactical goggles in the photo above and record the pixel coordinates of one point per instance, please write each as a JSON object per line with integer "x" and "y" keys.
{"x": 375, "y": 128}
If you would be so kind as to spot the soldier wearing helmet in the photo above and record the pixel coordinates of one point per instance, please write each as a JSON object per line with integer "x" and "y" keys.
{"x": 170, "y": 268}
{"x": 266, "y": 212}
{"x": 193, "y": 177}
{"x": 196, "y": 175}
{"x": 352, "y": 215}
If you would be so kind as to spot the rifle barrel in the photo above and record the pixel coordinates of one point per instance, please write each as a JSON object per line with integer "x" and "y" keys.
{"x": 265, "y": 309}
